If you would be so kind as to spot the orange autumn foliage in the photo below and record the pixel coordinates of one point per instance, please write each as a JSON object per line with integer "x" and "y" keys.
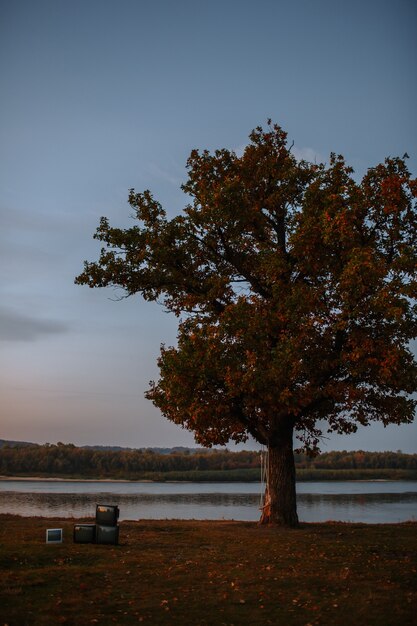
{"x": 296, "y": 290}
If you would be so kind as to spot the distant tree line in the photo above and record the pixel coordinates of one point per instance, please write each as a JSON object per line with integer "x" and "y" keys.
{"x": 358, "y": 460}
{"x": 69, "y": 460}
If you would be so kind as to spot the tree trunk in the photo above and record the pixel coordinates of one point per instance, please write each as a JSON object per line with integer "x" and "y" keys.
{"x": 280, "y": 506}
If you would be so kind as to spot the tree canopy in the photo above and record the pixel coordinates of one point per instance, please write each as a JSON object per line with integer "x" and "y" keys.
{"x": 295, "y": 287}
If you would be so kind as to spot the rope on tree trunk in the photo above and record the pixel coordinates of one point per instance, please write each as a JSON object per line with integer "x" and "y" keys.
{"x": 265, "y": 499}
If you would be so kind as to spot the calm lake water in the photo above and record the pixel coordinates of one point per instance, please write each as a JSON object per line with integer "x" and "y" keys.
{"x": 349, "y": 501}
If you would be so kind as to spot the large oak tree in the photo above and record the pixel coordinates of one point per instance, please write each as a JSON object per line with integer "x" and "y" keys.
{"x": 295, "y": 288}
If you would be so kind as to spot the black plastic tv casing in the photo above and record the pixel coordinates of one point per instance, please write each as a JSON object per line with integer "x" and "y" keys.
{"x": 107, "y": 534}
{"x": 84, "y": 533}
{"x": 107, "y": 514}
{"x": 104, "y": 531}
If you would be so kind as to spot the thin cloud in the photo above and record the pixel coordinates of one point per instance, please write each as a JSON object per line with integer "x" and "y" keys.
{"x": 161, "y": 174}
{"x": 306, "y": 154}
{"x": 17, "y": 327}
{"x": 21, "y": 220}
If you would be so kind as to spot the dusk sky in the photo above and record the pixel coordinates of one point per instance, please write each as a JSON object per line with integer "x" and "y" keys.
{"x": 98, "y": 96}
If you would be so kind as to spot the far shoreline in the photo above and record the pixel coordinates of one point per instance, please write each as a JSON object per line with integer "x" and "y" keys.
{"x": 75, "y": 480}
{"x": 53, "y": 479}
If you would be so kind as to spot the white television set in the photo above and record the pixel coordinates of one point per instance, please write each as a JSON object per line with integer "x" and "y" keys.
{"x": 54, "y": 535}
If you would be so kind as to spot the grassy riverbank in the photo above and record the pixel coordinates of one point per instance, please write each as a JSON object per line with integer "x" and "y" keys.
{"x": 201, "y": 573}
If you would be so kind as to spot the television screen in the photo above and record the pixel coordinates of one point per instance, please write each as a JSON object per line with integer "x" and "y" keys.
{"x": 54, "y": 535}
{"x": 107, "y": 534}
{"x": 107, "y": 514}
{"x": 84, "y": 533}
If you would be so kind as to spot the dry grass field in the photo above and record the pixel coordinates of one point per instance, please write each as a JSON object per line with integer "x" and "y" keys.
{"x": 202, "y": 573}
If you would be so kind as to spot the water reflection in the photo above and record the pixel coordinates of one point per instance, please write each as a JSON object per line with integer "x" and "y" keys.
{"x": 231, "y": 504}
{"x": 357, "y": 507}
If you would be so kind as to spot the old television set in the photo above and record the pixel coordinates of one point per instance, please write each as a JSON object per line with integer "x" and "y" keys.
{"x": 54, "y": 535}
{"x": 107, "y": 514}
{"x": 107, "y": 534}
{"x": 84, "y": 533}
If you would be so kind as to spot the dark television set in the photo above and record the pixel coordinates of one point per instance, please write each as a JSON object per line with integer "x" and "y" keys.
{"x": 107, "y": 514}
{"x": 84, "y": 533}
{"x": 107, "y": 534}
